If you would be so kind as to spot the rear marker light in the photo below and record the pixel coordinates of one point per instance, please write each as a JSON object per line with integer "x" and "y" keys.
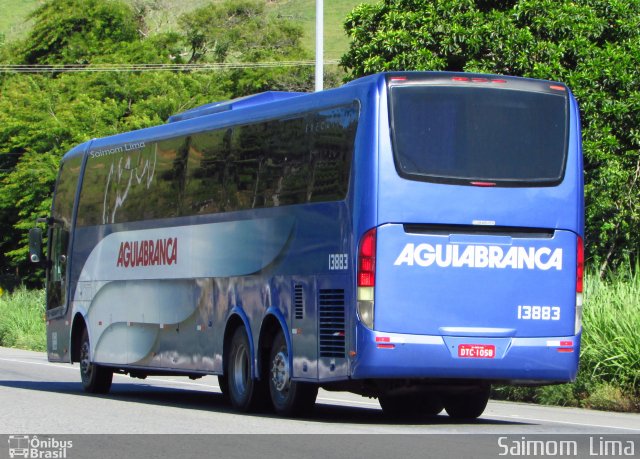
{"x": 383, "y": 339}
{"x": 385, "y": 346}
{"x": 481, "y": 80}
{"x": 398, "y": 78}
{"x": 485, "y": 184}
{"x": 565, "y": 349}
{"x": 555, "y": 87}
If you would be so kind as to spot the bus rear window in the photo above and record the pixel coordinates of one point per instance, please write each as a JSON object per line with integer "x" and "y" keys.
{"x": 471, "y": 134}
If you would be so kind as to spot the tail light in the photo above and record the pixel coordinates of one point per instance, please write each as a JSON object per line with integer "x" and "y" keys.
{"x": 367, "y": 260}
{"x": 580, "y": 266}
{"x": 366, "y": 277}
{"x": 579, "y": 283}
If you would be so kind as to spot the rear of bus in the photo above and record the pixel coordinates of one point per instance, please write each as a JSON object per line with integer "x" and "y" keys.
{"x": 473, "y": 270}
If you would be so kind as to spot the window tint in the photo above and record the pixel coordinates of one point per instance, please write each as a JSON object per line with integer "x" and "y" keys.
{"x": 459, "y": 134}
{"x": 66, "y": 187}
{"x": 59, "y": 230}
{"x": 305, "y": 158}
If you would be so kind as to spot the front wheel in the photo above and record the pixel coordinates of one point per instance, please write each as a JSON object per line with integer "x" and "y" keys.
{"x": 467, "y": 405}
{"x": 289, "y": 398}
{"x": 96, "y": 379}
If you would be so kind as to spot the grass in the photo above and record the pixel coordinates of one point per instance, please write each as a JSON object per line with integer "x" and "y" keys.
{"x": 14, "y": 26}
{"x": 609, "y": 376}
{"x": 611, "y": 342}
{"x": 22, "y": 320}
{"x": 13, "y": 20}
{"x": 336, "y": 41}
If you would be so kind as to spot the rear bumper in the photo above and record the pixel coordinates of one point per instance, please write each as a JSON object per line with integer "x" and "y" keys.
{"x": 530, "y": 360}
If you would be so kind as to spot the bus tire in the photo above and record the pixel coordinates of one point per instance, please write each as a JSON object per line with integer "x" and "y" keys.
{"x": 410, "y": 405}
{"x": 467, "y": 405}
{"x": 245, "y": 392}
{"x": 289, "y": 398}
{"x": 96, "y": 379}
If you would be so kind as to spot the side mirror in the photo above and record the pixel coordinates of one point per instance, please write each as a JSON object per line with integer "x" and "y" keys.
{"x": 35, "y": 245}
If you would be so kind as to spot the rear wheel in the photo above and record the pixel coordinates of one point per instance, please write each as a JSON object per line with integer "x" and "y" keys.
{"x": 289, "y": 398}
{"x": 245, "y": 392}
{"x": 410, "y": 405}
{"x": 96, "y": 379}
{"x": 467, "y": 405}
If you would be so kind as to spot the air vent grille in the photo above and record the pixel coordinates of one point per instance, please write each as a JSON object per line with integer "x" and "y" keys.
{"x": 298, "y": 301}
{"x": 332, "y": 323}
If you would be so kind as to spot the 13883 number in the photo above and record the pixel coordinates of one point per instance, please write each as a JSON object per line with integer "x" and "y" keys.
{"x": 338, "y": 261}
{"x": 538, "y": 312}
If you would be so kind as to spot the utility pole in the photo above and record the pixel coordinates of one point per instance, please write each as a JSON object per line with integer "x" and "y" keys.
{"x": 319, "y": 44}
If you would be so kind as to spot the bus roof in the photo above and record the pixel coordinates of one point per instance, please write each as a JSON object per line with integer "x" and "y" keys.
{"x": 269, "y": 104}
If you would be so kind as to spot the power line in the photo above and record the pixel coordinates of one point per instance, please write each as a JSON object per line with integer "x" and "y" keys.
{"x": 76, "y": 68}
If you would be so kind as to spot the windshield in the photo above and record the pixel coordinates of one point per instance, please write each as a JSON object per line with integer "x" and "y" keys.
{"x": 469, "y": 134}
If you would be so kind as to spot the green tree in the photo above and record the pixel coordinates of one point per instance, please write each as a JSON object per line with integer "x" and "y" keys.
{"x": 241, "y": 31}
{"x": 72, "y": 31}
{"x": 592, "y": 45}
{"x": 43, "y": 116}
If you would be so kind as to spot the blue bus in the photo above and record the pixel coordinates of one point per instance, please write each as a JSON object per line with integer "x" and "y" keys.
{"x": 410, "y": 236}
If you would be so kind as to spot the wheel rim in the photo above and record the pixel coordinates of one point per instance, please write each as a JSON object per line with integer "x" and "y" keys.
{"x": 241, "y": 370}
{"x": 85, "y": 362}
{"x": 280, "y": 373}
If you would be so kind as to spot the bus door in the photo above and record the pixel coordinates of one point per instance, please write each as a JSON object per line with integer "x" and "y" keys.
{"x": 58, "y": 257}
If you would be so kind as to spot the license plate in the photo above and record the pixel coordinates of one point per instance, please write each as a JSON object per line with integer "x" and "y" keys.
{"x": 476, "y": 351}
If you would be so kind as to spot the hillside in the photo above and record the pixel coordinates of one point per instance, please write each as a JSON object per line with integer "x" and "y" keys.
{"x": 163, "y": 14}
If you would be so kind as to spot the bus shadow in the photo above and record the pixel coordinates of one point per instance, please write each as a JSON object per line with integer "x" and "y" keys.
{"x": 215, "y": 401}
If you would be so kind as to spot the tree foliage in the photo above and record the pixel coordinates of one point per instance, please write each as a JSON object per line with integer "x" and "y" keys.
{"x": 73, "y": 31}
{"x": 592, "y": 45}
{"x": 43, "y": 116}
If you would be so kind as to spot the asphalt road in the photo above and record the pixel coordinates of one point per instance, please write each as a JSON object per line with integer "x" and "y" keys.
{"x": 38, "y": 397}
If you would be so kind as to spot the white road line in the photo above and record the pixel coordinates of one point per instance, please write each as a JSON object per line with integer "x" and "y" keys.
{"x": 516, "y": 417}
{"x": 46, "y": 364}
{"x": 355, "y": 402}
{"x": 67, "y": 366}
{"x": 186, "y": 383}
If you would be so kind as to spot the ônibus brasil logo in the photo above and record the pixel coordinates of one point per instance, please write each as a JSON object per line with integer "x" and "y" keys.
{"x": 148, "y": 253}
{"x": 480, "y": 256}
{"x": 33, "y": 447}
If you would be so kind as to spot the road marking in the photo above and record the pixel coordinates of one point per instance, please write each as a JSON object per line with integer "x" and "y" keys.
{"x": 355, "y": 402}
{"x": 186, "y": 383}
{"x": 524, "y": 418}
{"x": 46, "y": 364}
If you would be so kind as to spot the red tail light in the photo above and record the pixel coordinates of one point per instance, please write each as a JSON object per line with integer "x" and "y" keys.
{"x": 580, "y": 265}
{"x": 367, "y": 260}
